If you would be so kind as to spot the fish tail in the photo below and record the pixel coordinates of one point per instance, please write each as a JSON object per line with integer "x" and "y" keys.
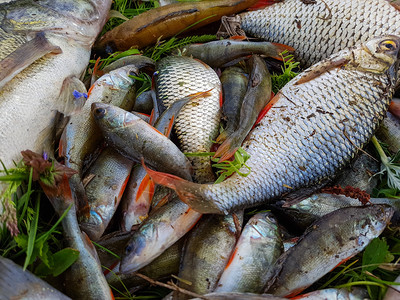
{"x": 189, "y": 192}
{"x": 227, "y": 148}
{"x": 60, "y": 195}
{"x": 263, "y": 3}
{"x": 282, "y": 48}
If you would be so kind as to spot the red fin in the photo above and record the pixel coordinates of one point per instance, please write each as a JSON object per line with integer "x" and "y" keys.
{"x": 282, "y": 48}
{"x": 226, "y": 150}
{"x": 151, "y": 120}
{"x": 231, "y": 258}
{"x": 263, "y": 3}
{"x": 108, "y": 270}
{"x": 147, "y": 185}
{"x": 169, "y": 128}
{"x": 96, "y": 69}
{"x": 163, "y": 201}
{"x": 90, "y": 90}
{"x": 221, "y": 99}
{"x": 296, "y": 292}
{"x": 264, "y": 111}
{"x": 238, "y": 37}
{"x": 394, "y": 107}
{"x": 121, "y": 192}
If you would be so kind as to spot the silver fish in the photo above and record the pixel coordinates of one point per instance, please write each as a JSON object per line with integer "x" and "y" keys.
{"x": 389, "y": 132}
{"x": 317, "y": 30}
{"x": 324, "y": 117}
{"x": 42, "y": 81}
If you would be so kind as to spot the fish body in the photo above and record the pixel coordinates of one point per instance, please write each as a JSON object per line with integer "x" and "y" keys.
{"x": 240, "y": 296}
{"x": 197, "y": 123}
{"x": 111, "y": 172}
{"x": 29, "y": 100}
{"x": 16, "y": 283}
{"x": 223, "y": 53}
{"x": 234, "y": 85}
{"x": 335, "y": 294}
{"x": 325, "y": 244}
{"x": 389, "y": 132}
{"x": 315, "y": 125}
{"x": 254, "y": 256}
{"x": 207, "y": 251}
{"x": 318, "y": 29}
{"x": 135, "y": 139}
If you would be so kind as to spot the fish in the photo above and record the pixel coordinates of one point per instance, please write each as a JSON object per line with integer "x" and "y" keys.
{"x": 16, "y": 283}
{"x": 85, "y": 275}
{"x": 207, "y": 251}
{"x": 80, "y": 137}
{"x": 144, "y": 103}
{"x": 293, "y": 125}
{"x": 224, "y": 53}
{"x": 257, "y": 96}
{"x": 109, "y": 177}
{"x": 239, "y": 296}
{"x": 135, "y": 139}
{"x": 393, "y": 292}
{"x": 198, "y": 122}
{"x": 394, "y": 107}
{"x": 45, "y": 47}
{"x": 318, "y": 29}
{"x": 156, "y": 234}
{"x": 327, "y": 243}
{"x": 234, "y": 85}
{"x": 251, "y": 263}
{"x": 147, "y": 28}
{"x": 389, "y": 132}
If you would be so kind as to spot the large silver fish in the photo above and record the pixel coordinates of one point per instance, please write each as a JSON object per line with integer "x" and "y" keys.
{"x": 45, "y": 47}
{"x": 323, "y": 27}
{"x": 315, "y": 125}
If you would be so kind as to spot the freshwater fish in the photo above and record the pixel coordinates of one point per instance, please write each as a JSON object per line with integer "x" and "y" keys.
{"x": 198, "y": 122}
{"x": 325, "y": 117}
{"x": 207, "y": 251}
{"x": 234, "y": 85}
{"x": 326, "y": 243}
{"x": 17, "y": 283}
{"x": 135, "y": 139}
{"x": 224, "y": 53}
{"x": 317, "y": 29}
{"x": 258, "y": 94}
{"x": 389, "y": 132}
{"x": 251, "y": 263}
{"x": 45, "y": 46}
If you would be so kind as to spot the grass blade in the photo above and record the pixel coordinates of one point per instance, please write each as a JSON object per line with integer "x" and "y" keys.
{"x": 32, "y": 234}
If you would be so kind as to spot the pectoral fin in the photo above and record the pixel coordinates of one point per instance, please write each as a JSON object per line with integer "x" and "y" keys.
{"x": 72, "y": 96}
{"x": 24, "y": 56}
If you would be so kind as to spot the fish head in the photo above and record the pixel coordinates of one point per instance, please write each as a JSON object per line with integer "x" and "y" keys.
{"x": 121, "y": 78}
{"x": 378, "y": 55}
{"x": 110, "y": 117}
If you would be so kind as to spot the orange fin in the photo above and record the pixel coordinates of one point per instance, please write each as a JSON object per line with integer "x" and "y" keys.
{"x": 226, "y": 150}
{"x": 189, "y": 192}
{"x": 263, "y": 3}
{"x": 282, "y": 48}
{"x": 147, "y": 185}
{"x": 238, "y": 38}
{"x": 394, "y": 107}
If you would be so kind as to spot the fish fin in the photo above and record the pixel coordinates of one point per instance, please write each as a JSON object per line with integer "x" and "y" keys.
{"x": 263, "y": 3}
{"x": 265, "y": 110}
{"x": 228, "y": 148}
{"x": 24, "y": 56}
{"x": 394, "y": 107}
{"x": 280, "y": 48}
{"x": 163, "y": 201}
{"x": 72, "y": 96}
{"x": 96, "y": 71}
{"x": 222, "y": 137}
{"x": 322, "y": 68}
{"x": 147, "y": 185}
{"x": 238, "y": 38}
{"x": 189, "y": 192}
{"x": 59, "y": 195}
{"x": 395, "y": 5}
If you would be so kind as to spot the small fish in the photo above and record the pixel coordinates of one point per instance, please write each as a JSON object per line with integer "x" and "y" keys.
{"x": 144, "y": 103}
{"x": 327, "y": 243}
{"x": 234, "y": 85}
{"x": 251, "y": 263}
{"x": 207, "y": 251}
{"x": 317, "y": 29}
{"x": 111, "y": 172}
{"x": 157, "y": 233}
{"x": 136, "y": 139}
{"x": 240, "y": 296}
{"x": 85, "y": 275}
{"x": 257, "y": 96}
{"x": 16, "y": 283}
{"x": 293, "y": 125}
{"x": 224, "y": 53}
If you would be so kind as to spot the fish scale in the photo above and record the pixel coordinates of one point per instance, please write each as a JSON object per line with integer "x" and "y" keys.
{"x": 197, "y": 123}
{"x": 311, "y": 131}
{"x": 321, "y": 29}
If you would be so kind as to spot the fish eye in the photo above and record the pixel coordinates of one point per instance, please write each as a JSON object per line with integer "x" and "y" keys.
{"x": 99, "y": 113}
{"x": 388, "y": 45}
{"x": 132, "y": 73}
{"x": 128, "y": 249}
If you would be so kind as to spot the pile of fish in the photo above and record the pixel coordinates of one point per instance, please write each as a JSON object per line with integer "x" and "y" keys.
{"x": 136, "y": 193}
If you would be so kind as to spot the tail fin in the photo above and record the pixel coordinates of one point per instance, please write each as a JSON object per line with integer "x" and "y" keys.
{"x": 189, "y": 192}
{"x": 282, "y": 48}
{"x": 228, "y": 148}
